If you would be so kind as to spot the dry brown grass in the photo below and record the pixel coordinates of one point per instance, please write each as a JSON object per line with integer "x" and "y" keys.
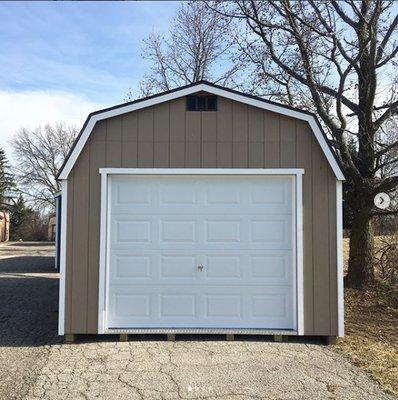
{"x": 371, "y": 328}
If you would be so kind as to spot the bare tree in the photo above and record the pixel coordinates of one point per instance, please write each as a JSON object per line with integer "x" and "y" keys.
{"x": 341, "y": 57}
{"x": 39, "y": 153}
{"x": 387, "y": 163}
{"x": 196, "y": 48}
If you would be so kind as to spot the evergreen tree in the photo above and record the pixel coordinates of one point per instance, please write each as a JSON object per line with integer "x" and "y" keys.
{"x": 19, "y": 218}
{"x": 6, "y": 182}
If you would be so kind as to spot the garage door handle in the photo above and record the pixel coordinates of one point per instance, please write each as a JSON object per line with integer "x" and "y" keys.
{"x": 200, "y": 267}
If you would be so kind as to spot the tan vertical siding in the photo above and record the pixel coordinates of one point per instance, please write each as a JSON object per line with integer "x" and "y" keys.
{"x": 114, "y": 142}
{"x": 332, "y": 253}
{"x": 130, "y": 140}
{"x": 161, "y": 132}
{"x": 256, "y": 137}
{"x": 80, "y": 243}
{"x": 114, "y": 130}
{"x": 271, "y": 139}
{"x": 193, "y": 139}
{"x": 304, "y": 160}
{"x": 224, "y": 134}
{"x": 287, "y": 132}
{"x": 97, "y": 160}
{"x": 177, "y": 133}
{"x": 145, "y": 138}
{"x": 320, "y": 241}
{"x": 237, "y": 136}
{"x": 209, "y": 139}
{"x": 99, "y": 131}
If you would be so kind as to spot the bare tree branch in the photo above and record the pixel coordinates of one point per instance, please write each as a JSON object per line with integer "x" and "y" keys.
{"x": 39, "y": 154}
{"x": 197, "y": 45}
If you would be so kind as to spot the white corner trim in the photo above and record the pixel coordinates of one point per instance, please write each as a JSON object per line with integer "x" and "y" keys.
{"x": 299, "y": 255}
{"x": 296, "y": 174}
{"x": 57, "y": 211}
{"x": 194, "y": 89}
{"x": 201, "y": 171}
{"x": 340, "y": 261}
{"x": 103, "y": 255}
{"x": 62, "y": 258}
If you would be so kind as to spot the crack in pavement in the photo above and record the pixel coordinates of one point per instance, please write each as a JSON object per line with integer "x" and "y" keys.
{"x": 200, "y": 370}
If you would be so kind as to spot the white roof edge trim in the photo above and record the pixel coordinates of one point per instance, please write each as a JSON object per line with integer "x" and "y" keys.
{"x": 210, "y": 89}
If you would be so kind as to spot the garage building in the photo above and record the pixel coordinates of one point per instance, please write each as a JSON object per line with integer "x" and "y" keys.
{"x": 201, "y": 209}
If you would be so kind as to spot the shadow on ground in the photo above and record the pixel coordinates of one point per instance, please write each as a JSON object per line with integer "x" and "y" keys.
{"x": 28, "y": 264}
{"x": 197, "y": 338}
{"x": 28, "y": 301}
{"x": 30, "y": 244}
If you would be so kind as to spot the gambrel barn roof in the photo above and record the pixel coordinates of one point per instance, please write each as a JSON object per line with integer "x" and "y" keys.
{"x": 201, "y": 86}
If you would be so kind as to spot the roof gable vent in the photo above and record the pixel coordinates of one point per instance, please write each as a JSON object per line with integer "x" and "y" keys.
{"x": 201, "y": 102}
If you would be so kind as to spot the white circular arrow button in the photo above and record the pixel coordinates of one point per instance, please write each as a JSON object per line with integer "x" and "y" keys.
{"x": 382, "y": 200}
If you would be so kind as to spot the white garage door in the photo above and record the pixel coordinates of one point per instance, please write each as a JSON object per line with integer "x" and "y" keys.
{"x": 200, "y": 251}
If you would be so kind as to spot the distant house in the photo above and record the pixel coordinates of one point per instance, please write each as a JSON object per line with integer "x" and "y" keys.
{"x": 4, "y": 226}
{"x": 52, "y": 226}
{"x": 201, "y": 209}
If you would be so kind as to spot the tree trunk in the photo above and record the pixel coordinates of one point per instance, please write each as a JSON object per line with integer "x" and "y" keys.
{"x": 360, "y": 264}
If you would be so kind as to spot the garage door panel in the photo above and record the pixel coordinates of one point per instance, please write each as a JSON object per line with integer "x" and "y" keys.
{"x": 223, "y": 230}
{"x": 162, "y": 228}
{"x": 178, "y": 231}
{"x": 177, "y": 305}
{"x": 223, "y": 267}
{"x": 227, "y": 194}
{"x": 124, "y": 194}
{"x": 223, "y": 306}
{"x": 129, "y": 269}
{"x": 201, "y": 231}
{"x": 275, "y": 232}
{"x": 277, "y": 191}
{"x": 211, "y": 308}
{"x": 270, "y": 306}
{"x": 132, "y": 231}
{"x": 176, "y": 195}
{"x": 201, "y": 209}
{"x": 271, "y": 268}
{"x": 256, "y": 268}
{"x": 178, "y": 266}
{"x": 176, "y": 192}
{"x": 131, "y": 305}
{"x": 132, "y": 267}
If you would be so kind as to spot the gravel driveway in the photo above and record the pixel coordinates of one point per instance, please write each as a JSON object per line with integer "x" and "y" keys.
{"x": 34, "y": 364}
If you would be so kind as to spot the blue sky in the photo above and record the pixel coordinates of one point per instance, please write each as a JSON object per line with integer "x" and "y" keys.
{"x": 61, "y": 60}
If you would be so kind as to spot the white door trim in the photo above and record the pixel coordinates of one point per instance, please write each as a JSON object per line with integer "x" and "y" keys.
{"x": 299, "y": 254}
{"x": 103, "y": 254}
{"x": 296, "y": 173}
{"x": 201, "y": 171}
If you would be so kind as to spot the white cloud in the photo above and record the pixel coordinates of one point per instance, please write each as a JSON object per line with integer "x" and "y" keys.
{"x": 30, "y": 109}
